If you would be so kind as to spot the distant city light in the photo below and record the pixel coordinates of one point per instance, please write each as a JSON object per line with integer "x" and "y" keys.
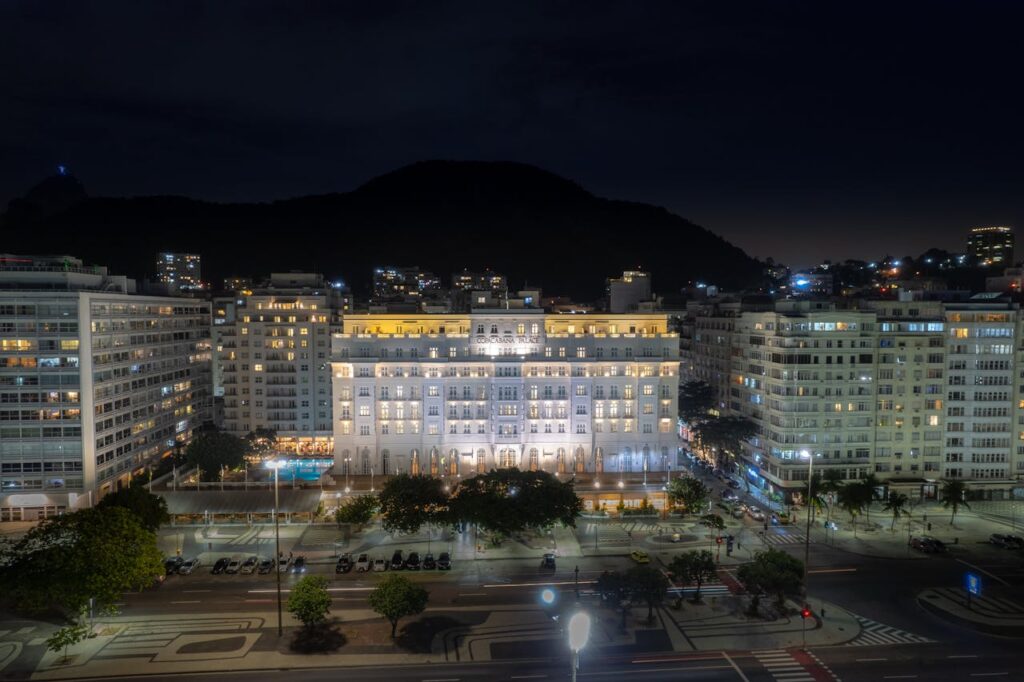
{"x": 62, "y": 170}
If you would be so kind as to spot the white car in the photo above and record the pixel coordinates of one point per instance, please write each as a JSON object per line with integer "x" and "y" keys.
{"x": 284, "y": 563}
{"x": 188, "y": 566}
{"x": 756, "y": 514}
{"x": 362, "y": 564}
{"x": 380, "y": 565}
{"x": 249, "y": 565}
{"x": 233, "y": 565}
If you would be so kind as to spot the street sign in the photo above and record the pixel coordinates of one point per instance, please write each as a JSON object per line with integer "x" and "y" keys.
{"x": 973, "y": 582}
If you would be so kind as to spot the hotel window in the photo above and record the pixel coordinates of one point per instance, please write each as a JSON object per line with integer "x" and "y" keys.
{"x": 534, "y": 329}
{"x": 581, "y": 389}
{"x": 520, "y": 329}
{"x": 581, "y": 352}
{"x": 561, "y": 352}
{"x": 648, "y": 389}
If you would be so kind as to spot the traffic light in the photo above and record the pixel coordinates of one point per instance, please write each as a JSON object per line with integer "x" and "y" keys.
{"x": 805, "y": 613}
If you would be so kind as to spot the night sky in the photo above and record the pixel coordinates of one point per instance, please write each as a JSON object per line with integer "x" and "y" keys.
{"x": 801, "y": 131}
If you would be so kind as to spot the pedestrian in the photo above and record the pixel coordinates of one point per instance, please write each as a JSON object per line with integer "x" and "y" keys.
{"x": 823, "y": 612}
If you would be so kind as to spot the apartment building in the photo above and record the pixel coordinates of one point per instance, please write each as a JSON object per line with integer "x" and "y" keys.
{"x": 458, "y": 394}
{"x": 911, "y": 391}
{"x": 272, "y": 355}
{"x": 97, "y": 382}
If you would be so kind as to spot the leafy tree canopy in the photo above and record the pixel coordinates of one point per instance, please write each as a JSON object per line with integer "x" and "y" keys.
{"x": 149, "y": 509}
{"x": 647, "y": 585}
{"x": 689, "y": 493}
{"x": 65, "y": 560}
{"x": 508, "y": 501}
{"x": 696, "y": 398}
{"x": 213, "y": 451}
{"x": 396, "y": 597}
{"x": 309, "y": 600}
{"x": 408, "y": 502}
{"x": 359, "y": 510}
{"x": 694, "y": 568}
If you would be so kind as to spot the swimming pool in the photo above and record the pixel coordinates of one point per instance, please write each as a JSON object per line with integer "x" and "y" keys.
{"x": 304, "y": 469}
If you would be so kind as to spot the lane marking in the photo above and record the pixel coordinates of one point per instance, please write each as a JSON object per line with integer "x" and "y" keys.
{"x": 192, "y": 601}
{"x": 526, "y": 677}
{"x": 977, "y": 568}
{"x": 865, "y": 660}
{"x": 472, "y": 594}
{"x": 443, "y": 679}
{"x": 988, "y": 674}
{"x": 645, "y": 671}
{"x": 562, "y": 582}
{"x": 193, "y": 591}
{"x": 964, "y": 656}
{"x": 898, "y": 677}
{"x": 833, "y": 570}
{"x": 735, "y": 667}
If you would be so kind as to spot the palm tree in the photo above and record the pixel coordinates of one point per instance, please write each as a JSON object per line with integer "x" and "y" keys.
{"x": 896, "y": 503}
{"x": 953, "y": 494}
{"x": 814, "y": 495}
{"x": 870, "y": 483}
{"x": 851, "y": 500}
{"x": 831, "y": 484}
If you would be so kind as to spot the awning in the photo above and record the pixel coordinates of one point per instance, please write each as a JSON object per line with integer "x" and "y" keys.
{"x": 240, "y": 501}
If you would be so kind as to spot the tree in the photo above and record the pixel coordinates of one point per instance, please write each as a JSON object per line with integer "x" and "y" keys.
{"x": 97, "y": 553}
{"x": 689, "y": 492}
{"x": 149, "y": 509}
{"x": 771, "y": 572}
{"x": 814, "y": 495}
{"x": 694, "y": 567}
{"x": 897, "y": 505}
{"x": 870, "y": 484}
{"x": 508, "y": 501}
{"x": 214, "y": 451}
{"x": 409, "y": 501}
{"x": 713, "y": 521}
{"x": 358, "y": 511}
{"x": 851, "y": 500}
{"x": 696, "y": 398}
{"x": 726, "y": 435}
{"x": 829, "y": 486}
{"x": 646, "y": 584}
{"x": 614, "y": 590}
{"x": 309, "y": 601}
{"x": 67, "y": 636}
{"x": 262, "y": 441}
{"x": 953, "y": 494}
{"x": 396, "y": 597}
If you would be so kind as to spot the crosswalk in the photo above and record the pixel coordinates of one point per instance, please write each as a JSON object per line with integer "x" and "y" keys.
{"x": 781, "y": 665}
{"x": 712, "y": 589}
{"x": 873, "y": 633}
{"x": 781, "y": 536}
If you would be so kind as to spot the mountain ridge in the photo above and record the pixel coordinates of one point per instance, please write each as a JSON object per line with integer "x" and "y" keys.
{"x": 441, "y": 215}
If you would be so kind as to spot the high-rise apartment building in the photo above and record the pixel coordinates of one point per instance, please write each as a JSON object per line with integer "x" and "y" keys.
{"x": 991, "y": 245}
{"x": 180, "y": 271}
{"x": 272, "y": 356}
{"x": 911, "y": 391}
{"x": 96, "y": 382}
{"x": 459, "y": 394}
{"x": 404, "y": 284}
{"x": 626, "y": 293}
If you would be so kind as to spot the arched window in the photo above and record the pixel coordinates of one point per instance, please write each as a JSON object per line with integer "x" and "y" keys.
{"x": 453, "y": 462}
{"x": 579, "y": 463}
{"x": 435, "y": 465}
{"x": 481, "y": 461}
{"x": 646, "y": 463}
{"x": 599, "y": 460}
{"x": 664, "y": 459}
{"x": 365, "y": 462}
{"x": 626, "y": 460}
{"x": 534, "y": 459}
{"x": 385, "y": 462}
{"x": 346, "y": 462}
{"x": 414, "y": 462}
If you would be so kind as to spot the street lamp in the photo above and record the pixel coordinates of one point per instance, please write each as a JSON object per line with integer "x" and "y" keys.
{"x": 276, "y": 464}
{"x": 807, "y": 536}
{"x": 348, "y": 468}
{"x": 579, "y": 632}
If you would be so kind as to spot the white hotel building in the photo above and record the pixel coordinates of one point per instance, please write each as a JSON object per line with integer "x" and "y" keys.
{"x": 461, "y": 394}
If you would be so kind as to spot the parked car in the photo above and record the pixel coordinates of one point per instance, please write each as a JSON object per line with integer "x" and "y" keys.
{"x": 734, "y": 484}
{"x": 755, "y": 513}
{"x": 397, "y": 561}
{"x": 413, "y": 562}
{"x": 928, "y": 545}
{"x": 172, "y": 564}
{"x": 444, "y": 562}
{"x": 429, "y": 563}
{"x": 249, "y": 565}
{"x": 188, "y": 566}
{"x": 739, "y": 512}
{"x": 380, "y": 565}
{"x": 233, "y": 566}
{"x": 1006, "y": 541}
{"x": 548, "y": 561}
{"x": 344, "y": 564}
{"x": 639, "y": 556}
{"x": 830, "y": 525}
{"x": 266, "y": 566}
{"x": 299, "y": 565}
{"x": 284, "y": 563}
{"x": 220, "y": 565}
{"x": 362, "y": 564}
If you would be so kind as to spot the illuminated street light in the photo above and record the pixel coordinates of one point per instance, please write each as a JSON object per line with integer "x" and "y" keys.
{"x": 276, "y": 465}
{"x": 804, "y": 454}
{"x": 579, "y": 633}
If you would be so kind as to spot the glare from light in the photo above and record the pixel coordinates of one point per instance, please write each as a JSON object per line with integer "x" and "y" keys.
{"x": 579, "y": 631}
{"x": 275, "y": 464}
{"x": 547, "y": 595}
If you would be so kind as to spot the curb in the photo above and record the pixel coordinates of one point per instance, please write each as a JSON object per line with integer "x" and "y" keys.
{"x": 986, "y": 628}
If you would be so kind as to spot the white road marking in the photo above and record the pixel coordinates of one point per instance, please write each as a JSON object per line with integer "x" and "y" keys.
{"x": 472, "y": 594}
{"x": 964, "y": 656}
{"x": 526, "y": 677}
{"x": 865, "y": 660}
{"x": 736, "y": 667}
{"x": 898, "y": 677}
{"x": 990, "y": 575}
{"x": 988, "y": 674}
{"x": 193, "y": 601}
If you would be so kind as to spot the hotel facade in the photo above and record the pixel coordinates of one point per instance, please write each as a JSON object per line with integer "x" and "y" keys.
{"x": 455, "y": 395}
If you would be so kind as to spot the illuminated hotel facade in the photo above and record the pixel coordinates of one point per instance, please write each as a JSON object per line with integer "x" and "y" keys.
{"x": 453, "y": 395}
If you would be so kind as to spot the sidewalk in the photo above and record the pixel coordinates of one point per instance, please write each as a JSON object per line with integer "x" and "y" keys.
{"x": 998, "y": 611}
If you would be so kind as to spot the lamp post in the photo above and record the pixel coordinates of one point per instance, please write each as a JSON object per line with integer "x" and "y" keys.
{"x": 807, "y": 535}
{"x": 348, "y": 467}
{"x": 579, "y": 632}
{"x": 275, "y": 465}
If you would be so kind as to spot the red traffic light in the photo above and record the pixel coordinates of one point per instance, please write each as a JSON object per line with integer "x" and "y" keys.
{"x": 718, "y": 540}
{"x": 806, "y": 613}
